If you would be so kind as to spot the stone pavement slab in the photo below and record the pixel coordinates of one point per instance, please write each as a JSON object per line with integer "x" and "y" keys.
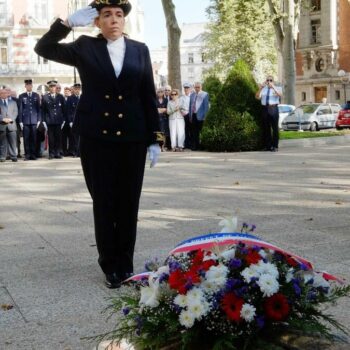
{"x": 298, "y": 198}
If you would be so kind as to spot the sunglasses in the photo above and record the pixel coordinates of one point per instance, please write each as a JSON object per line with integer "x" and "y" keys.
{"x": 269, "y": 80}
{"x": 173, "y": 94}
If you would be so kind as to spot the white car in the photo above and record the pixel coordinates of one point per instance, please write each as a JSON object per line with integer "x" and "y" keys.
{"x": 312, "y": 116}
{"x": 283, "y": 111}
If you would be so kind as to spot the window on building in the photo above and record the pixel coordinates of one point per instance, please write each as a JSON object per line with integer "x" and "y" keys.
{"x": 319, "y": 65}
{"x": 316, "y": 31}
{"x": 3, "y": 12}
{"x": 337, "y": 95}
{"x": 190, "y": 58}
{"x": 190, "y": 72}
{"x": 40, "y": 12}
{"x": 303, "y": 96}
{"x": 203, "y": 58}
{"x": 315, "y": 5}
{"x": 3, "y": 51}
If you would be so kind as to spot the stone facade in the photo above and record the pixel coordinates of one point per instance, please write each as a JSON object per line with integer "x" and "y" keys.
{"x": 323, "y": 50}
{"x": 23, "y": 22}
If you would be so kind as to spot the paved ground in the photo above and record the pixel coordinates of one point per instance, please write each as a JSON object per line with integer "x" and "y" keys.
{"x": 298, "y": 198}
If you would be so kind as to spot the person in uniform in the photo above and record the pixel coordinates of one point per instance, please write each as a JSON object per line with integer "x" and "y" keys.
{"x": 29, "y": 118}
{"x": 53, "y": 113}
{"x": 116, "y": 120}
{"x": 66, "y": 130}
{"x": 71, "y": 109}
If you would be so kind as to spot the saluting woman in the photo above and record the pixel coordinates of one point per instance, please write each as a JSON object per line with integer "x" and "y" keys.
{"x": 116, "y": 118}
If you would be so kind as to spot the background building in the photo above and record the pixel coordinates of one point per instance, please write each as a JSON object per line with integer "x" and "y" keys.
{"x": 323, "y": 54}
{"x": 193, "y": 62}
{"x": 23, "y": 22}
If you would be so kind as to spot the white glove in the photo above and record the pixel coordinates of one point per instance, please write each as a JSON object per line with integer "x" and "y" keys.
{"x": 82, "y": 17}
{"x": 21, "y": 125}
{"x": 62, "y": 125}
{"x": 153, "y": 153}
{"x": 37, "y": 124}
{"x": 71, "y": 124}
{"x": 45, "y": 126}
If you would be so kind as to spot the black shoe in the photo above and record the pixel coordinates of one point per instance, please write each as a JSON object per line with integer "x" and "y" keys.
{"x": 14, "y": 159}
{"x": 58, "y": 157}
{"x": 19, "y": 156}
{"x": 2, "y": 160}
{"x": 50, "y": 157}
{"x": 32, "y": 158}
{"x": 112, "y": 280}
{"x": 26, "y": 158}
{"x": 273, "y": 149}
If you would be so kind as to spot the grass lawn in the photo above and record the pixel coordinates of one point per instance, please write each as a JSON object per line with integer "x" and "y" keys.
{"x": 289, "y": 135}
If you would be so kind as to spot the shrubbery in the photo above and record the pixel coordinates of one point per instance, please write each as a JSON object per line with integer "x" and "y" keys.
{"x": 234, "y": 119}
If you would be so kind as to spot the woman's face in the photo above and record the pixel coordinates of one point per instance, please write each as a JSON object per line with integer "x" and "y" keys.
{"x": 174, "y": 95}
{"x": 111, "y": 21}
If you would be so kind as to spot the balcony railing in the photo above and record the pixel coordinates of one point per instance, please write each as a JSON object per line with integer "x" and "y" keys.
{"x": 52, "y": 68}
{"x": 6, "y": 20}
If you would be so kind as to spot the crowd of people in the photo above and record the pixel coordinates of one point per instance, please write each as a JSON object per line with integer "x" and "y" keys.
{"x": 181, "y": 116}
{"x": 45, "y": 121}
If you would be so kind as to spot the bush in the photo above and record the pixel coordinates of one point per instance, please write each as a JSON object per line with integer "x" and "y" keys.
{"x": 234, "y": 119}
{"x": 212, "y": 85}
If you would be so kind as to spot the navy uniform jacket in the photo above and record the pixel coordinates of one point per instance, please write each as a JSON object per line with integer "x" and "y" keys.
{"x": 29, "y": 109}
{"x": 72, "y": 104}
{"x": 53, "y": 109}
{"x": 119, "y": 109}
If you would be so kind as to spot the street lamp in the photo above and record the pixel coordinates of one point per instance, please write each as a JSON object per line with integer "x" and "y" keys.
{"x": 344, "y": 77}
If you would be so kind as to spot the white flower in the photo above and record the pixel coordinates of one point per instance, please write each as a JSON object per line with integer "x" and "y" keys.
{"x": 181, "y": 300}
{"x": 217, "y": 275}
{"x": 319, "y": 281}
{"x": 248, "y": 312}
{"x": 198, "y": 309}
{"x": 186, "y": 319}
{"x": 195, "y": 295}
{"x": 150, "y": 294}
{"x": 308, "y": 277}
{"x": 262, "y": 253}
{"x": 229, "y": 225}
{"x": 264, "y": 268}
{"x": 290, "y": 275}
{"x": 163, "y": 269}
{"x": 228, "y": 254}
{"x": 268, "y": 285}
{"x": 248, "y": 273}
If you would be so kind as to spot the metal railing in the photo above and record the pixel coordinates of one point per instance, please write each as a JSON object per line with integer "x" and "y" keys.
{"x": 13, "y": 69}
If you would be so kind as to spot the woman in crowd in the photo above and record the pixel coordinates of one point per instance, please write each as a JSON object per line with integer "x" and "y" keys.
{"x": 162, "y": 104}
{"x": 176, "y": 122}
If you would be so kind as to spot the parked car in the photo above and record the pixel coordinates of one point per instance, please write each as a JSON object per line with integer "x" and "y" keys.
{"x": 343, "y": 120}
{"x": 283, "y": 111}
{"x": 312, "y": 116}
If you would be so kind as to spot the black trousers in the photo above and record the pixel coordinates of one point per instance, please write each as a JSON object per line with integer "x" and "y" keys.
{"x": 55, "y": 138}
{"x": 196, "y": 128}
{"x": 69, "y": 146}
{"x": 188, "y": 138}
{"x": 114, "y": 175}
{"x": 29, "y": 139}
{"x": 270, "y": 119}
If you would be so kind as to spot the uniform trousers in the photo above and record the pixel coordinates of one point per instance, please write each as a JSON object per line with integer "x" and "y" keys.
{"x": 177, "y": 132}
{"x": 55, "y": 138}
{"x": 8, "y": 144}
{"x": 68, "y": 141}
{"x": 29, "y": 139}
{"x": 270, "y": 119}
{"x": 114, "y": 175}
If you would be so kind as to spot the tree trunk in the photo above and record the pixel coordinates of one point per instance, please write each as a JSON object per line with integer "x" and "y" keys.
{"x": 174, "y": 35}
{"x": 289, "y": 71}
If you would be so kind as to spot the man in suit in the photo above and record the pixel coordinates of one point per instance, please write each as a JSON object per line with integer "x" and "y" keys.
{"x": 199, "y": 107}
{"x": 29, "y": 118}
{"x": 116, "y": 119}
{"x": 54, "y": 117}
{"x": 8, "y": 127}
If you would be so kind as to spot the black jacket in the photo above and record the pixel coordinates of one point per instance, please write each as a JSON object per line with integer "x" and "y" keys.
{"x": 29, "y": 109}
{"x": 53, "y": 109}
{"x": 119, "y": 109}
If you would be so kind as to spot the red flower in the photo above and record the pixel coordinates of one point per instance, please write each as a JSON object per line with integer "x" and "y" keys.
{"x": 232, "y": 305}
{"x": 178, "y": 281}
{"x": 277, "y": 307}
{"x": 253, "y": 257}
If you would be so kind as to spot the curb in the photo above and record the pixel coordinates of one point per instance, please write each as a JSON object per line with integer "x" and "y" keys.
{"x": 317, "y": 141}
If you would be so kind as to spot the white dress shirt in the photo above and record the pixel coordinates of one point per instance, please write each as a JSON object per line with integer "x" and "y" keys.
{"x": 116, "y": 50}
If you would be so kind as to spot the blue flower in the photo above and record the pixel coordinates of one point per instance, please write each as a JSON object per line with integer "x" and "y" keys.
{"x": 260, "y": 321}
{"x": 126, "y": 311}
{"x": 163, "y": 277}
{"x": 235, "y": 263}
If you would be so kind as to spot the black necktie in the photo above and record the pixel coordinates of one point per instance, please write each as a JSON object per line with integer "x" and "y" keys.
{"x": 5, "y": 103}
